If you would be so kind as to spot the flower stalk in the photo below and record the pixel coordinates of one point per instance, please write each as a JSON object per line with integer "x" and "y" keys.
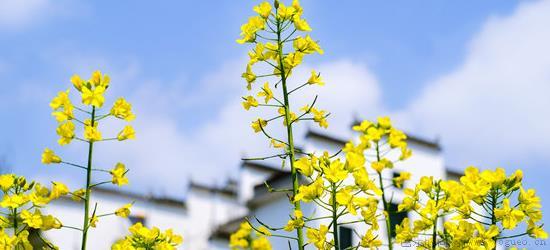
{"x": 88, "y": 187}
{"x": 289, "y": 135}
{"x": 387, "y": 217}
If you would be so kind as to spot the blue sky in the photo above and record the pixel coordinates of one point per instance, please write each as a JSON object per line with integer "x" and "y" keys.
{"x": 471, "y": 73}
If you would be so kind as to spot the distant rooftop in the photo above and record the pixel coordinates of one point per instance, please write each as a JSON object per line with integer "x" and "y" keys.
{"x": 341, "y": 142}
{"x": 228, "y": 190}
{"x": 163, "y": 200}
{"x": 262, "y": 166}
{"x": 225, "y": 230}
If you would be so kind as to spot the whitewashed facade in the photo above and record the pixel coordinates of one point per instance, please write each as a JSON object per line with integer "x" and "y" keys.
{"x": 161, "y": 212}
{"x": 209, "y": 214}
{"x": 274, "y": 208}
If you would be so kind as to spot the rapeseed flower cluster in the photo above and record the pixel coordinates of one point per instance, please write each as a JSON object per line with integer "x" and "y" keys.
{"x": 92, "y": 97}
{"x": 143, "y": 238}
{"x": 349, "y": 190}
{"x": 89, "y": 117}
{"x": 22, "y": 204}
{"x": 245, "y": 238}
{"x": 479, "y": 206}
{"x": 280, "y": 39}
{"x": 356, "y": 188}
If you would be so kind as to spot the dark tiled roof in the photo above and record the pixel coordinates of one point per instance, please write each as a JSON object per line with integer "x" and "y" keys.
{"x": 217, "y": 190}
{"x": 261, "y": 166}
{"x": 333, "y": 139}
{"x": 155, "y": 199}
{"x": 225, "y": 230}
{"x": 453, "y": 174}
{"x": 278, "y": 181}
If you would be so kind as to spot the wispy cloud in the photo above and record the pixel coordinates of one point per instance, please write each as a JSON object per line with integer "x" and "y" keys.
{"x": 493, "y": 109}
{"x": 17, "y": 15}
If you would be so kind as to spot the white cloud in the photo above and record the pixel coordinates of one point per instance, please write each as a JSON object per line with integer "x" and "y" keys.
{"x": 493, "y": 109}
{"x": 19, "y": 14}
{"x": 165, "y": 153}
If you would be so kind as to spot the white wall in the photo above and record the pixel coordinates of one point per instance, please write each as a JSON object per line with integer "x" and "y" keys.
{"x": 248, "y": 178}
{"x": 111, "y": 228}
{"x": 276, "y": 213}
{"x": 207, "y": 211}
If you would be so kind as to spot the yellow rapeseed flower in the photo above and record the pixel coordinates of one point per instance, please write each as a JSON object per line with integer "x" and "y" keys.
{"x": 40, "y": 196}
{"x": 257, "y": 54}
{"x": 293, "y": 59}
{"x": 127, "y": 132}
{"x": 59, "y": 189}
{"x": 258, "y": 125}
{"x": 249, "y": 29}
{"x": 295, "y": 222}
{"x": 49, "y": 157}
{"x": 33, "y": 220}
{"x": 119, "y": 174}
{"x": 6, "y": 181}
{"x": 312, "y": 191}
{"x": 371, "y": 241}
{"x": 94, "y": 96}
{"x": 49, "y": 222}
{"x": 266, "y": 93}
{"x": 263, "y": 9}
{"x": 315, "y": 78}
{"x": 100, "y": 80}
{"x": 92, "y": 133}
{"x": 284, "y": 12}
{"x": 335, "y": 172}
{"x": 77, "y": 82}
{"x": 60, "y": 100}
{"x": 318, "y": 236}
{"x": 276, "y": 144}
{"x": 78, "y": 195}
{"x": 301, "y": 24}
{"x": 536, "y": 231}
{"x": 122, "y": 109}
{"x": 509, "y": 216}
{"x": 249, "y": 76}
{"x": 66, "y": 132}
{"x": 306, "y": 45}
{"x": 304, "y": 166}
{"x": 93, "y": 221}
{"x": 249, "y": 101}
{"x": 14, "y": 201}
{"x": 123, "y": 211}
{"x": 403, "y": 176}
{"x": 261, "y": 243}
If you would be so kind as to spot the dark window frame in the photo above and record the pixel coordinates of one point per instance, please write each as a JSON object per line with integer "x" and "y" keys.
{"x": 345, "y": 237}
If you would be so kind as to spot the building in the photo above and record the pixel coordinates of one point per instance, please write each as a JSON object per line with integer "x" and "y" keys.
{"x": 273, "y": 208}
{"x": 162, "y": 212}
{"x": 209, "y": 214}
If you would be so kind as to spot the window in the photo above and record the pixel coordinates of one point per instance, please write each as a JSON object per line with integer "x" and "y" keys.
{"x": 137, "y": 218}
{"x": 395, "y": 217}
{"x": 36, "y": 239}
{"x": 344, "y": 235}
{"x": 395, "y": 175}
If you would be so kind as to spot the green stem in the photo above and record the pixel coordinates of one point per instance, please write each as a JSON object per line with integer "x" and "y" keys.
{"x": 385, "y": 203}
{"x": 334, "y": 218}
{"x": 15, "y": 221}
{"x": 434, "y": 233}
{"x": 88, "y": 187}
{"x": 494, "y": 200}
{"x": 290, "y": 137}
